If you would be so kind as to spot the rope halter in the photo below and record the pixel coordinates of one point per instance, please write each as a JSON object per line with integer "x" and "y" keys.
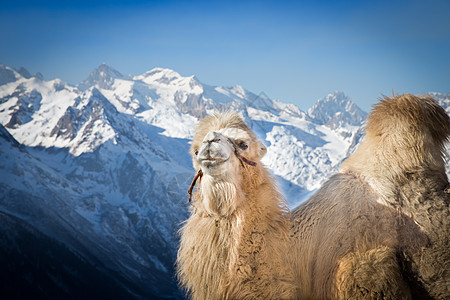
{"x": 199, "y": 173}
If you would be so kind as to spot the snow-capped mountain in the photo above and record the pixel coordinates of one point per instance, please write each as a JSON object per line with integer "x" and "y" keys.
{"x": 102, "y": 168}
{"x": 336, "y": 109}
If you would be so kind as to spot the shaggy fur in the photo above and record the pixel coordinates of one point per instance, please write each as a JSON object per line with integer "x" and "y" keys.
{"x": 380, "y": 228}
{"x": 233, "y": 244}
{"x": 377, "y": 230}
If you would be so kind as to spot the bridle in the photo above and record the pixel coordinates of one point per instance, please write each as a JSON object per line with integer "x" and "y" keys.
{"x": 197, "y": 176}
{"x": 199, "y": 173}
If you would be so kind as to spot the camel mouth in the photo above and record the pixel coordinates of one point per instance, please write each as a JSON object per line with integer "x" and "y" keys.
{"x": 212, "y": 162}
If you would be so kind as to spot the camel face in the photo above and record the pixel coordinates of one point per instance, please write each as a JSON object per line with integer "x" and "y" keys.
{"x": 216, "y": 155}
{"x": 220, "y": 141}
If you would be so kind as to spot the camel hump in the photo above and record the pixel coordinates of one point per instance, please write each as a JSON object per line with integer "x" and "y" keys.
{"x": 417, "y": 115}
{"x": 404, "y": 134}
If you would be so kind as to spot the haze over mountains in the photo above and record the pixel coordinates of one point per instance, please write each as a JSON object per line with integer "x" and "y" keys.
{"x": 93, "y": 177}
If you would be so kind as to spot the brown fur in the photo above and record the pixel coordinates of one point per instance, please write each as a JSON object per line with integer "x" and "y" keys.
{"x": 231, "y": 244}
{"x": 380, "y": 228}
{"x": 377, "y": 230}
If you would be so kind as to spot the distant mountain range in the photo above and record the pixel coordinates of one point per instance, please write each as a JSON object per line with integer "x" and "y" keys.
{"x": 93, "y": 177}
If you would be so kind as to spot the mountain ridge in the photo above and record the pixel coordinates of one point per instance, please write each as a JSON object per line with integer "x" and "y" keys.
{"x": 103, "y": 167}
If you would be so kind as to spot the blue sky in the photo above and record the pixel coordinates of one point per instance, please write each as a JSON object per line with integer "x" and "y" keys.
{"x": 294, "y": 51}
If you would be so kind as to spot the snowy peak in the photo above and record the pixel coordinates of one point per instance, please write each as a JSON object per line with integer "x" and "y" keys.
{"x": 167, "y": 78}
{"x": 24, "y": 72}
{"x": 239, "y": 92}
{"x": 160, "y": 75}
{"x": 86, "y": 124}
{"x": 103, "y": 77}
{"x": 8, "y": 74}
{"x": 336, "y": 109}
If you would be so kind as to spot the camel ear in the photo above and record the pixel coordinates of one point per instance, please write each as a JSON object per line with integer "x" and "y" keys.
{"x": 262, "y": 150}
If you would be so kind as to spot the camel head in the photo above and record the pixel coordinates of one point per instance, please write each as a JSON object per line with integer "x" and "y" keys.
{"x": 227, "y": 155}
{"x": 223, "y": 145}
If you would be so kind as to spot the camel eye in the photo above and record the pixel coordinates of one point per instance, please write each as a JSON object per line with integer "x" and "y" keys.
{"x": 242, "y": 145}
{"x": 196, "y": 152}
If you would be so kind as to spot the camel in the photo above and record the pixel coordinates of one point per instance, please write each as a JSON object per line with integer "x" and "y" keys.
{"x": 379, "y": 229}
{"x": 233, "y": 244}
{"x": 376, "y": 230}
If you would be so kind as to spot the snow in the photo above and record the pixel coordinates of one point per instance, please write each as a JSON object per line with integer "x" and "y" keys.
{"x": 303, "y": 148}
{"x": 112, "y": 164}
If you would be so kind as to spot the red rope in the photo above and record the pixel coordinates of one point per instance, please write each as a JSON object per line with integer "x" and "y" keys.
{"x": 247, "y": 161}
{"x": 197, "y": 176}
